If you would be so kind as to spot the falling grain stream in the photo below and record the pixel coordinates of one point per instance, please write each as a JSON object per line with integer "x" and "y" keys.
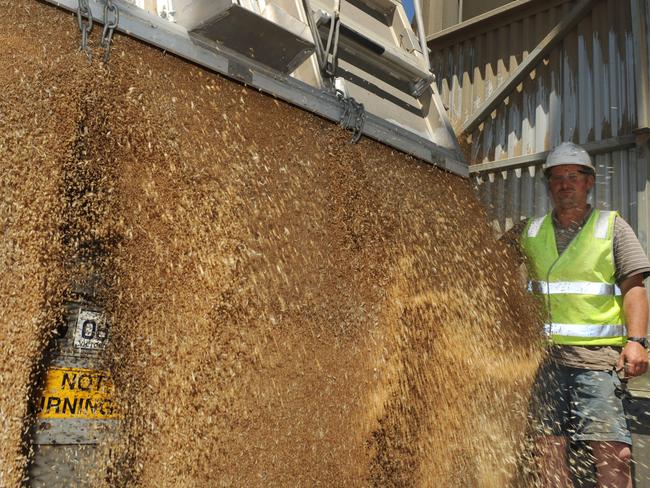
{"x": 287, "y": 309}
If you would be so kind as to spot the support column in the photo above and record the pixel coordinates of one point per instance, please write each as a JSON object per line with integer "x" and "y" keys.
{"x": 640, "y": 33}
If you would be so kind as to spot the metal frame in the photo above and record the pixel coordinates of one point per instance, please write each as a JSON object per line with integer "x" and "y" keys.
{"x": 514, "y": 9}
{"x": 535, "y": 56}
{"x": 175, "y": 39}
{"x": 593, "y": 148}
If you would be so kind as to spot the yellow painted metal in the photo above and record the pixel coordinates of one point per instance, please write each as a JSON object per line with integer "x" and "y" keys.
{"x": 77, "y": 393}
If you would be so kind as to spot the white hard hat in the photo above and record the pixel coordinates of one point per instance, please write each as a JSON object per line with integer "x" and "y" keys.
{"x": 568, "y": 153}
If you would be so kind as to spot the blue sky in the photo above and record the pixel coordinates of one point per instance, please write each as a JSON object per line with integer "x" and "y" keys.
{"x": 408, "y": 6}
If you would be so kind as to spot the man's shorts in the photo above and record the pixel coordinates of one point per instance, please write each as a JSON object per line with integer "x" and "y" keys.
{"x": 582, "y": 404}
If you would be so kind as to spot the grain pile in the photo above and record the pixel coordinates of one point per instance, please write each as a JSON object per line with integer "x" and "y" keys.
{"x": 287, "y": 309}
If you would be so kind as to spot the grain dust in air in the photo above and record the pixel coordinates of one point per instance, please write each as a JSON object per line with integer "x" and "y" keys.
{"x": 287, "y": 309}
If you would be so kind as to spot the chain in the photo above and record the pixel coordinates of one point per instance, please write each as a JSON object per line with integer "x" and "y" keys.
{"x": 354, "y": 116}
{"x": 85, "y": 22}
{"x": 111, "y": 19}
{"x": 359, "y": 121}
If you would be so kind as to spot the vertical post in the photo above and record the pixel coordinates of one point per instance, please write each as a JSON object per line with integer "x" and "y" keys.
{"x": 639, "y": 11}
{"x": 641, "y": 61}
{"x": 643, "y": 188}
{"x": 641, "y": 38}
{"x": 641, "y": 386}
{"x": 73, "y": 400}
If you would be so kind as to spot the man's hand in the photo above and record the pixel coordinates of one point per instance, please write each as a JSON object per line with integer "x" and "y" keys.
{"x": 633, "y": 360}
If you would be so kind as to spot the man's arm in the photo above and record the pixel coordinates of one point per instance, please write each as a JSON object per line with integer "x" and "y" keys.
{"x": 634, "y": 357}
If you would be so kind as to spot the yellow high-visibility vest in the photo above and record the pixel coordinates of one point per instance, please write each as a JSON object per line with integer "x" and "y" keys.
{"x": 583, "y": 304}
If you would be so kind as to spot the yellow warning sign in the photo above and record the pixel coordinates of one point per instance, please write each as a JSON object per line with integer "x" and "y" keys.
{"x": 77, "y": 393}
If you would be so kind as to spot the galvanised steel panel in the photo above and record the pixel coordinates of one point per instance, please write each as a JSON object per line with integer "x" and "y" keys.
{"x": 583, "y": 91}
{"x": 513, "y": 194}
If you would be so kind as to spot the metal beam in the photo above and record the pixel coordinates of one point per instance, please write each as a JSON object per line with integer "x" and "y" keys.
{"x": 175, "y": 39}
{"x": 641, "y": 67}
{"x": 492, "y": 19}
{"x": 462, "y": 26}
{"x": 593, "y": 148}
{"x": 536, "y": 55}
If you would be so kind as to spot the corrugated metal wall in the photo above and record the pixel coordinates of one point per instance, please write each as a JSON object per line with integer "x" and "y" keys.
{"x": 513, "y": 194}
{"x": 584, "y": 90}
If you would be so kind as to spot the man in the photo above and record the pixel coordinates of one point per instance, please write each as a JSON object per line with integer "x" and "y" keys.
{"x": 588, "y": 268}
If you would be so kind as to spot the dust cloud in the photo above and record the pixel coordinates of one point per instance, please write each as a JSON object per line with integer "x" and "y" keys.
{"x": 287, "y": 309}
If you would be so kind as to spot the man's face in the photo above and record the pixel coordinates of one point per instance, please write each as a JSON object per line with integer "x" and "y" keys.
{"x": 569, "y": 186}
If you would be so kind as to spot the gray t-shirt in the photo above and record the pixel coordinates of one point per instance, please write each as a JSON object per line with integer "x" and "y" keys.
{"x": 629, "y": 260}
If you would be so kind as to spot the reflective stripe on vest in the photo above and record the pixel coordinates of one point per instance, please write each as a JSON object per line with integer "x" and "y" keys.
{"x": 602, "y": 226}
{"x": 573, "y": 287}
{"x": 535, "y": 225}
{"x": 583, "y": 303}
{"x": 582, "y": 330}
